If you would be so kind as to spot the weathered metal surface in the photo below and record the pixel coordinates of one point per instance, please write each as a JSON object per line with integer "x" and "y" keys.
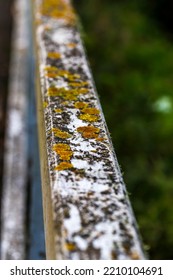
{"x": 36, "y": 246}
{"x": 87, "y": 211}
{"x": 14, "y": 188}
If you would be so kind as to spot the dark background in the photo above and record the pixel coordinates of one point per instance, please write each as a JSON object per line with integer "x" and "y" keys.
{"x": 130, "y": 48}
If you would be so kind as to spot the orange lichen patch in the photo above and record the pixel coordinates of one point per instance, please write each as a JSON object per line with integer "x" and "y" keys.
{"x": 51, "y": 75}
{"x": 58, "y": 110}
{"x": 72, "y": 77}
{"x": 54, "y": 55}
{"x": 58, "y": 9}
{"x": 70, "y": 246}
{"x": 100, "y": 139}
{"x": 53, "y": 91}
{"x": 45, "y": 104}
{"x": 80, "y": 105}
{"x": 38, "y": 21}
{"x": 53, "y": 72}
{"x": 135, "y": 256}
{"x": 82, "y": 90}
{"x": 71, "y": 45}
{"x": 65, "y": 103}
{"x": 79, "y": 84}
{"x": 47, "y": 28}
{"x": 91, "y": 111}
{"x": 89, "y": 118}
{"x": 114, "y": 256}
{"x": 89, "y": 131}
{"x": 61, "y": 134}
{"x": 66, "y": 94}
{"x": 51, "y": 68}
{"x": 63, "y": 150}
{"x": 64, "y": 166}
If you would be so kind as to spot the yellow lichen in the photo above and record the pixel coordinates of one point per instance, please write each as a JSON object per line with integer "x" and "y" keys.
{"x": 72, "y": 77}
{"x": 65, "y": 103}
{"x": 61, "y": 134}
{"x": 54, "y": 55}
{"x": 45, "y": 104}
{"x": 50, "y": 68}
{"x": 100, "y": 139}
{"x": 64, "y": 166}
{"x": 38, "y": 21}
{"x": 135, "y": 256}
{"x": 89, "y": 114}
{"x": 71, "y": 45}
{"x": 66, "y": 94}
{"x": 91, "y": 111}
{"x": 58, "y": 9}
{"x": 89, "y": 131}
{"x": 70, "y": 246}
{"x": 47, "y": 28}
{"x": 58, "y": 110}
{"x": 79, "y": 84}
{"x": 89, "y": 118}
{"x": 54, "y": 72}
{"x": 63, "y": 150}
{"x": 80, "y": 105}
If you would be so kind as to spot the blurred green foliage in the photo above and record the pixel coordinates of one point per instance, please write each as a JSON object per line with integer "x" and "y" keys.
{"x": 132, "y": 64}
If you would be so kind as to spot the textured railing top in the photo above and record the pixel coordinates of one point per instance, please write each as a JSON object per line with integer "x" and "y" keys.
{"x": 92, "y": 217}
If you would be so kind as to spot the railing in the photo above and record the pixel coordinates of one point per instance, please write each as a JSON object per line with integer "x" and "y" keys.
{"x": 87, "y": 214}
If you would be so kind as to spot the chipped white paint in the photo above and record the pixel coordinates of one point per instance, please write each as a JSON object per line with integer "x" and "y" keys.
{"x": 82, "y": 243}
{"x": 92, "y": 216}
{"x": 73, "y": 225}
{"x": 13, "y": 239}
